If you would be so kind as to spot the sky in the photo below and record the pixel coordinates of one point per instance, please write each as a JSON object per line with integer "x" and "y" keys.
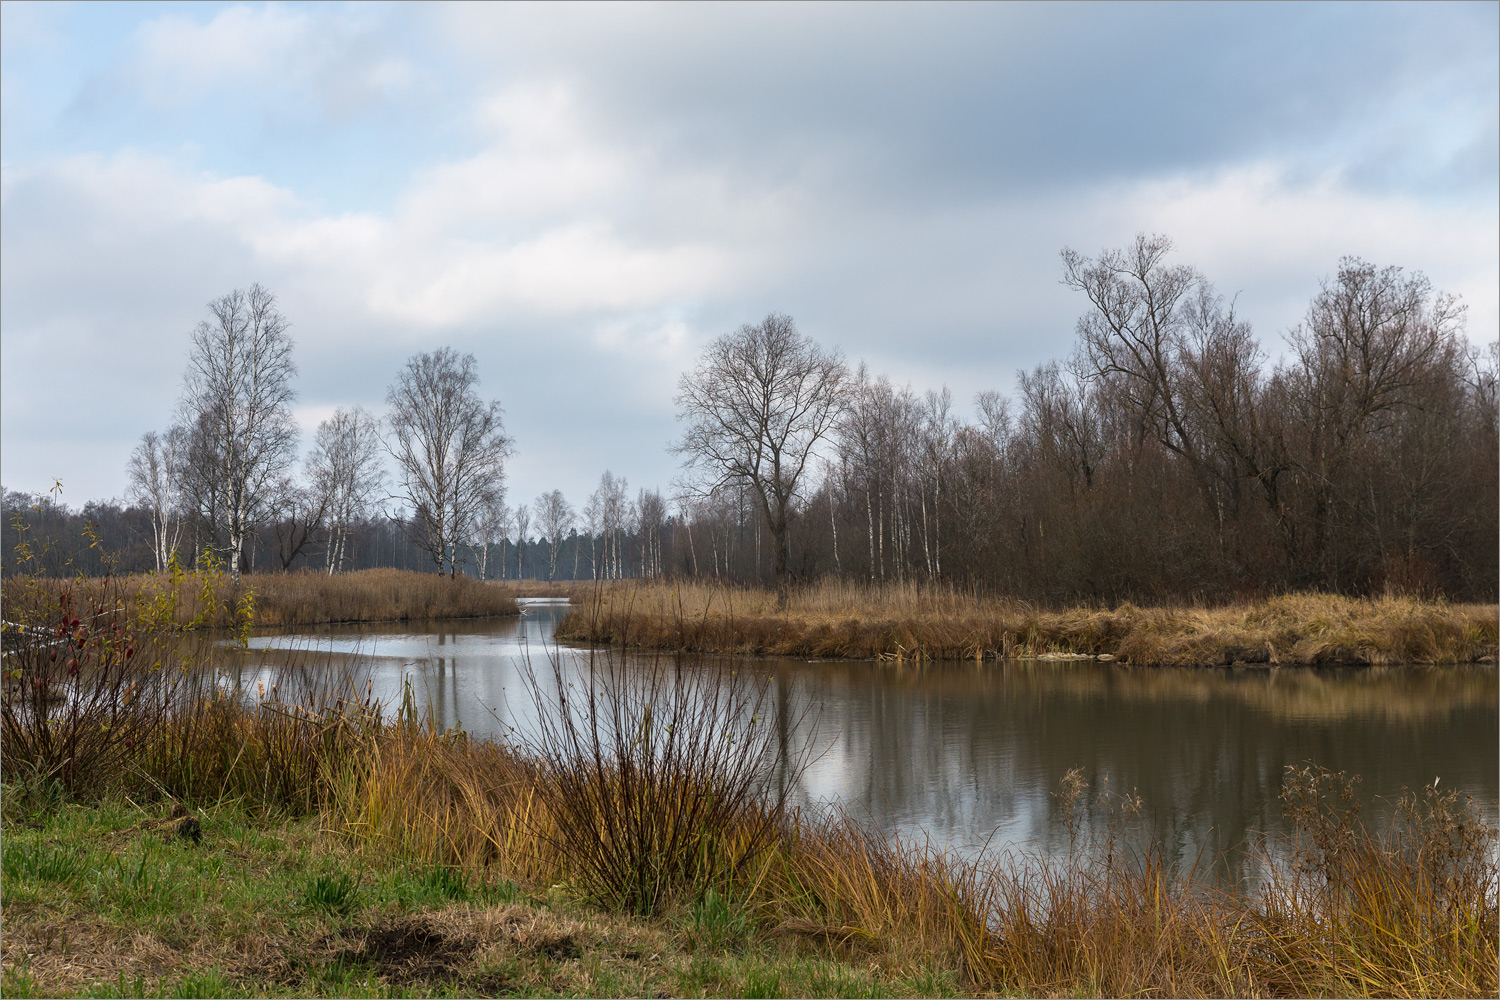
{"x": 585, "y": 196}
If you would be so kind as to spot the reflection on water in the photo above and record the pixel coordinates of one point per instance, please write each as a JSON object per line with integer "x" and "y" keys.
{"x": 968, "y": 754}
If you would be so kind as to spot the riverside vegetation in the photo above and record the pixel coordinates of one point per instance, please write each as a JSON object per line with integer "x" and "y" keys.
{"x": 165, "y": 835}
{"x": 204, "y": 597}
{"x": 920, "y": 623}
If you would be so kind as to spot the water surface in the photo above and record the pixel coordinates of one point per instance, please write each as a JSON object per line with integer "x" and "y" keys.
{"x": 970, "y": 755}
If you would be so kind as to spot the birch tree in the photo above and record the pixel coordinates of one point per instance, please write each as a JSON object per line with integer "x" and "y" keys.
{"x": 237, "y": 397}
{"x": 651, "y": 518}
{"x": 155, "y": 474}
{"x": 593, "y": 520}
{"x": 607, "y": 512}
{"x": 489, "y": 529}
{"x": 756, "y": 405}
{"x": 554, "y": 518}
{"x": 450, "y": 447}
{"x": 346, "y": 472}
{"x": 522, "y": 521}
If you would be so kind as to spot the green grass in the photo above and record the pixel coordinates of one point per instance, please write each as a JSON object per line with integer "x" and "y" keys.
{"x": 101, "y": 901}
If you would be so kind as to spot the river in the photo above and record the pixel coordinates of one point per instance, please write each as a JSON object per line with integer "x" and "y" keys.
{"x": 968, "y": 755}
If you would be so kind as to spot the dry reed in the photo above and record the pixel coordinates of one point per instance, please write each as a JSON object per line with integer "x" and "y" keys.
{"x": 208, "y": 598}
{"x": 373, "y": 595}
{"x": 835, "y": 620}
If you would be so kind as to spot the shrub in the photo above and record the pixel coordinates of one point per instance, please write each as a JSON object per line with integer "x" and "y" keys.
{"x": 656, "y": 776}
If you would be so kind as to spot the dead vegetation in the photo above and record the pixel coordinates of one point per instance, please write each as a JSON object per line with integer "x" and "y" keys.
{"x": 373, "y": 595}
{"x": 834, "y": 620}
{"x": 208, "y": 598}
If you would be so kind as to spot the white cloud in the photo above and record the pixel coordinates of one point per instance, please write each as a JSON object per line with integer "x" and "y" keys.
{"x": 584, "y": 267}
{"x": 179, "y": 57}
{"x": 309, "y": 417}
{"x": 336, "y": 62}
{"x": 1254, "y": 231}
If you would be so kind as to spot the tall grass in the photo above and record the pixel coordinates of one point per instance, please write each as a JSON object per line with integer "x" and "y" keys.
{"x": 373, "y": 595}
{"x": 83, "y": 686}
{"x": 656, "y": 776}
{"x": 205, "y": 597}
{"x": 1409, "y": 909}
{"x": 104, "y": 693}
{"x": 839, "y": 620}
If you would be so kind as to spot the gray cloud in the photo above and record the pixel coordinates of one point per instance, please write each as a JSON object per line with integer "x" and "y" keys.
{"x": 968, "y": 98}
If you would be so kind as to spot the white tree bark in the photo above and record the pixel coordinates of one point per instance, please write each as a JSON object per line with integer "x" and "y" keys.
{"x": 236, "y": 403}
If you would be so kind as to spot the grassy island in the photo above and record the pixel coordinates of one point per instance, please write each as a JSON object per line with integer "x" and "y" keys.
{"x": 208, "y": 598}
{"x": 907, "y": 623}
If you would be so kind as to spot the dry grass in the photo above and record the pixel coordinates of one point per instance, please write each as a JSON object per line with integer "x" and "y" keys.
{"x": 373, "y": 595}
{"x": 835, "y": 620}
{"x": 208, "y": 599}
{"x": 574, "y": 590}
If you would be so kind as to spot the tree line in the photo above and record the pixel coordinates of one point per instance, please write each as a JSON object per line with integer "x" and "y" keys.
{"x": 1168, "y": 456}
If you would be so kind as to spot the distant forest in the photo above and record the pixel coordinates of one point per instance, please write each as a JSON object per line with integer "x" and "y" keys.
{"x": 1167, "y": 458}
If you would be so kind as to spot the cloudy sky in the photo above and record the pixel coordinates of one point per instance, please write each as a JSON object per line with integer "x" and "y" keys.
{"x": 584, "y": 196}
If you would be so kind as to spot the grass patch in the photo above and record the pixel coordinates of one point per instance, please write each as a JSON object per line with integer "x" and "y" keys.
{"x": 834, "y": 620}
{"x": 241, "y": 914}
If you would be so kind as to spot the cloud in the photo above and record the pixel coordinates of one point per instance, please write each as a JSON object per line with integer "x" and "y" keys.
{"x": 337, "y": 64}
{"x": 614, "y": 189}
{"x": 953, "y": 102}
{"x": 1271, "y": 238}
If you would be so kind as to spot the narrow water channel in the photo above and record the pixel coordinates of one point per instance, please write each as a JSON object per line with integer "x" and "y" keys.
{"x": 968, "y": 755}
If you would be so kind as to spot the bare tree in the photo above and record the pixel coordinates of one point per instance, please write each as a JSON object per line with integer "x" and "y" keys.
{"x": 1131, "y": 338}
{"x": 607, "y": 512}
{"x": 522, "y": 520}
{"x": 593, "y": 520}
{"x": 1377, "y": 346}
{"x": 756, "y": 405}
{"x": 1061, "y": 418}
{"x": 651, "y": 517}
{"x": 297, "y": 516}
{"x": 450, "y": 447}
{"x": 346, "y": 473}
{"x": 237, "y": 397}
{"x": 554, "y": 518}
{"x": 155, "y": 483}
{"x": 489, "y": 529}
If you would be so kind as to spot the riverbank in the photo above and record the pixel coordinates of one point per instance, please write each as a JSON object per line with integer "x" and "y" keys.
{"x": 837, "y": 621}
{"x": 160, "y": 835}
{"x": 209, "y": 599}
{"x": 281, "y": 852}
